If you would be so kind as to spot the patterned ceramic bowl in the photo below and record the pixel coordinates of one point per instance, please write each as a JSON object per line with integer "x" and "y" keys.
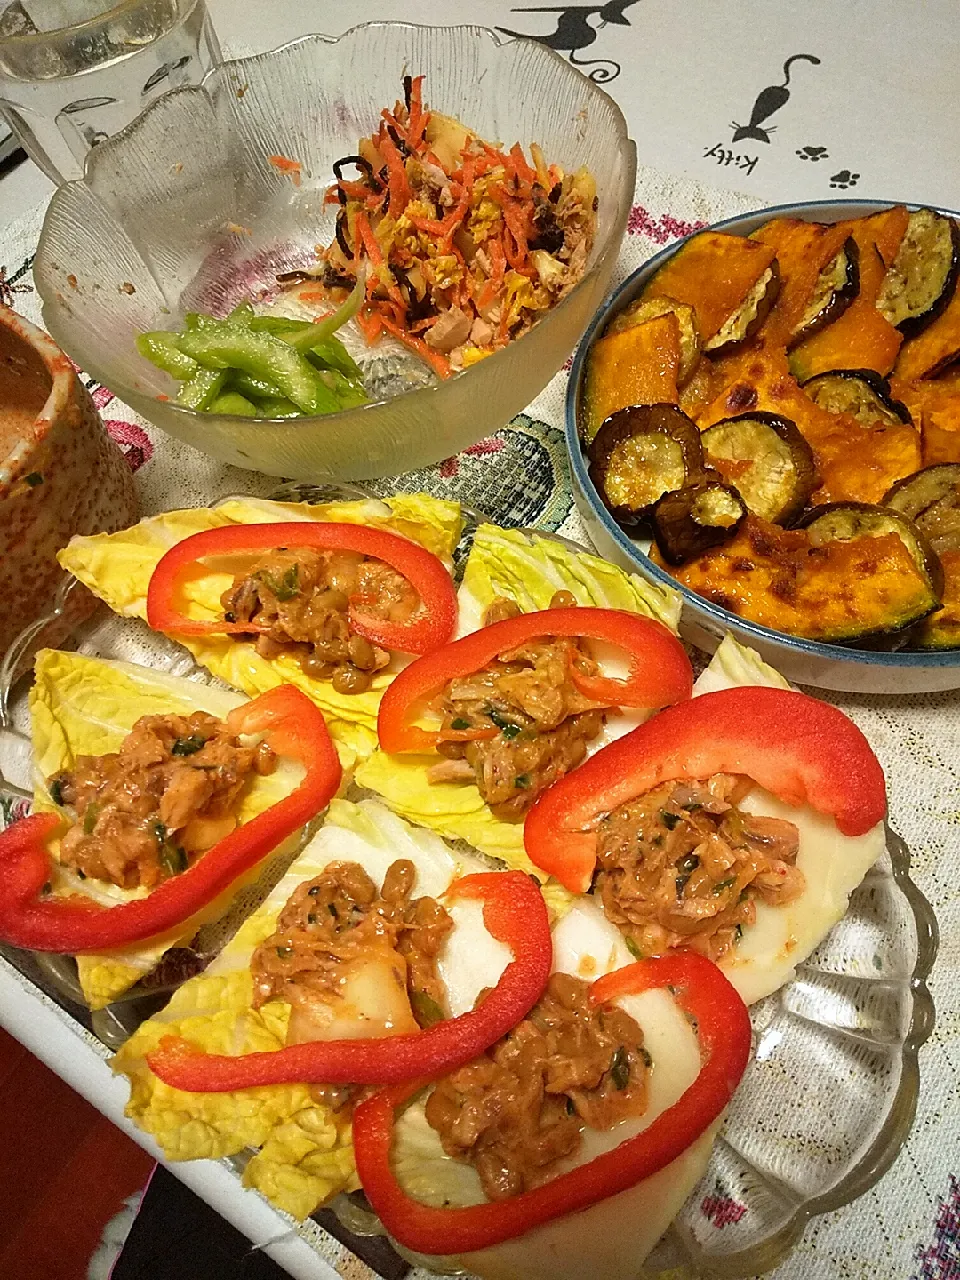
{"x": 60, "y": 474}
{"x": 181, "y": 211}
{"x": 826, "y": 666}
{"x": 853, "y": 1018}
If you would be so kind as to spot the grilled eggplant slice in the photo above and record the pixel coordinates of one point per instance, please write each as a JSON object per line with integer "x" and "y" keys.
{"x": 923, "y": 277}
{"x": 861, "y": 338}
{"x": 862, "y": 393}
{"x": 742, "y": 324}
{"x": 932, "y": 499}
{"x": 636, "y": 365}
{"x": 913, "y": 496}
{"x": 714, "y": 273}
{"x": 695, "y": 518}
{"x": 641, "y": 453}
{"x": 837, "y": 286}
{"x": 929, "y": 353}
{"x": 846, "y": 521}
{"x": 768, "y": 461}
{"x": 650, "y": 309}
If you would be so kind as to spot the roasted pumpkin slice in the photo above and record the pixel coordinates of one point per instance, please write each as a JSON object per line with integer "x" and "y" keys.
{"x": 942, "y": 629}
{"x": 717, "y": 275}
{"x": 702, "y": 387}
{"x": 940, "y": 429}
{"x": 934, "y": 405}
{"x": 923, "y": 277}
{"x": 748, "y": 318}
{"x": 862, "y": 393}
{"x": 836, "y": 286}
{"x": 766, "y": 459}
{"x": 690, "y": 520}
{"x": 847, "y": 521}
{"x": 861, "y": 338}
{"x": 854, "y": 461}
{"x": 931, "y": 351}
{"x": 651, "y": 309}
{"x": 841, "y": 590}
{"x": 641, "y": 453}
{"x": 803, "y": 250}
{"x": 638, "y": 365}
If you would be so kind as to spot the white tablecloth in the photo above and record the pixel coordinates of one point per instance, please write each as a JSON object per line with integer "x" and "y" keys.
{"x": 876, "y": 117}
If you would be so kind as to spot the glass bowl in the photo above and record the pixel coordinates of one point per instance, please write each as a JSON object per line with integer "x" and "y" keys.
{"x": 827, "y": 1100}
{"x": 825, "y": 666}
{"x": 182, "y": 211}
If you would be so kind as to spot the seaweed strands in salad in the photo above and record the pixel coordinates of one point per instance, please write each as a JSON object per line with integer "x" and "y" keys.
{"x": 466, "y": 244}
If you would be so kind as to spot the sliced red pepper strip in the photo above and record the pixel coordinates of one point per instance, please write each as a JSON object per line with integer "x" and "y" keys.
{"x": 513, "y": 911}
{"x": 804, "y": 751}
{"x": 292, "y": 725}
{"x": 659, "y": 668}
{"x": 429, "y": 628}
{"x": 723, "y": 1028}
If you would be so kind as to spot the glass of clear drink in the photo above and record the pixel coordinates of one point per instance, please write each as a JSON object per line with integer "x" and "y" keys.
{"x": 73, "y": 72}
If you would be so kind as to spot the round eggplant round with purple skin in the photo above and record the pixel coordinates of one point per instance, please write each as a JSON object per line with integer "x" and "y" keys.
{"x": 741, "y": 326}
{"x": 837, "y": 286}
{"x": 767, "y": 460}
{"x": 843, "y": 521}
{"x": 695, "y": 518}
{"x": 862, "y": 393}
{"x": 641, "y": 453}
{"x": 931, "y": 498}
{"x": 923, "y": 277}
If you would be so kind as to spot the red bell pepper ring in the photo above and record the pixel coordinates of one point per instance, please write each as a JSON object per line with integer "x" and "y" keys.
{"x": 513, "y": 911}
{"x": 292, "y": 725}
{"x": 427, "y": 629}
{"x": 804, "y": 751}
{"x": 659, "y": 670}
{"x": 723, "y": 1028}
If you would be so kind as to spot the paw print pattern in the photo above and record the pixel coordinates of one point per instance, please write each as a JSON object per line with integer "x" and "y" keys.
{"x": 812, "y": 153}
{"x": 844, "y": 179}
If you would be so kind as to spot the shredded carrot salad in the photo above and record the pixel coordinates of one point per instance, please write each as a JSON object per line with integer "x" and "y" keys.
{"x": 465, "y": 244}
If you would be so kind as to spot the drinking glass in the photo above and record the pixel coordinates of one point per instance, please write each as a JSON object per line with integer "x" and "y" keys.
{"x": 73, "y": 72}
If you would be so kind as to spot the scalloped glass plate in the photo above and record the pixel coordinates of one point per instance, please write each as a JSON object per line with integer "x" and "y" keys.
{"x": 831, "y": 1089}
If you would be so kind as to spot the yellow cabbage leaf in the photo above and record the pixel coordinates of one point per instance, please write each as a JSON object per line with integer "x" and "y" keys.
{"x": 117, "y": 567}
{"x": 86, "y": 706}
{"x": 527, "y": 569}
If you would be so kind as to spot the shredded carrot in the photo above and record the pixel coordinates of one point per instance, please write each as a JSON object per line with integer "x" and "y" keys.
{"x": 355, "y": 190}
{"x": 400, "y": 193}
{"x": 368, "y": 240}
{"x": 520, "y": 166}
{"x": 447, "y": 229}
{"x": 371, "y": 325}
{"x": 291, "y": 167}
{"x": 439, "y": 363}
{"x": 417, "y": 122}
{"x": 466, "y": 735}
{"x": 495, "y": 283}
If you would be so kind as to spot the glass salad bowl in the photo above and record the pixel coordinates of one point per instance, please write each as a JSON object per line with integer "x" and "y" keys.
{"x": 828, "y": 1097}
{"x": 182, "y": 211}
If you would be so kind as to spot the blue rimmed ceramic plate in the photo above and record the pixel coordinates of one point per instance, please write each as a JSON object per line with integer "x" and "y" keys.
{"x": 809, "y": 662}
